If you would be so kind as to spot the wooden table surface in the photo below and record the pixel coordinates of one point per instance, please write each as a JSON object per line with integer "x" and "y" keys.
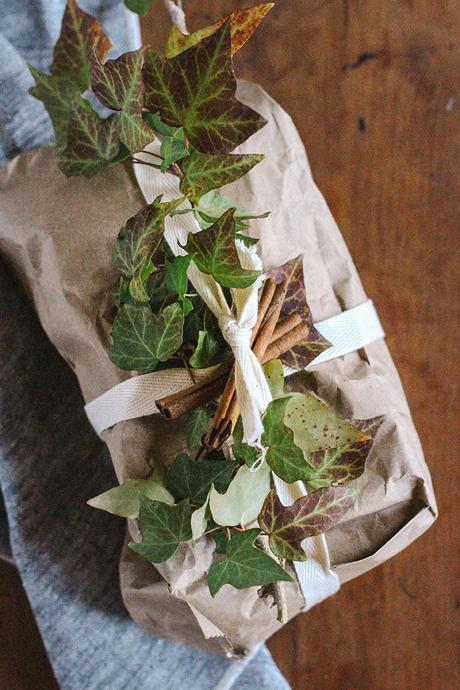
{"x": 373, "y": 88}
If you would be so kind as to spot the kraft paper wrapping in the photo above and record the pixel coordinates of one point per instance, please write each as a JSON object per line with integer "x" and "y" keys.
{"x": 59, "y": 234}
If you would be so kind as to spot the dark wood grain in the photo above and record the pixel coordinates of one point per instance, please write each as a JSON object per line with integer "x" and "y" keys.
{"x": 373, "y": 87}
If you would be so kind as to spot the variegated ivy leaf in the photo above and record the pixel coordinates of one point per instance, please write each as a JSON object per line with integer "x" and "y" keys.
{"x": 141, "y": 338}
{"x": 196, "y": 91}
{"x": 244, "y": 497}
{"x": 243, "y": 24}
{"x": 288, "y": 526}
{"x": 57, "y": 96}
{"x": 284, "y": 457}
{"x": 187, "y": 478}
{"x": 301, "y": 355}
{"x": 137, "y": 243}
{"x": 123, "y": 500}
{"x": 213, "y": 204}
{"x": 216, "y": 255}
{"x": 92, "y": 142}
{"x": 244, "y": 565}
{"x": 81, "y": 36}
{"x": 205, "y": 172}
{"x": 163, "y": 528}
{"x": 118, "y": 85}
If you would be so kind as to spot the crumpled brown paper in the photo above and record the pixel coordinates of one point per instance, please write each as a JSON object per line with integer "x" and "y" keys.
{"x": 59, "y": 234}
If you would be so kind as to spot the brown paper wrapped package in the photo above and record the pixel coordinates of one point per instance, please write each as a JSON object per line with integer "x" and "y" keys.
{"x": 59, "y": 234}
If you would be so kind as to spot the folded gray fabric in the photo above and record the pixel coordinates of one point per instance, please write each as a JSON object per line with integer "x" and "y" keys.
{"x": 51, "y": 461}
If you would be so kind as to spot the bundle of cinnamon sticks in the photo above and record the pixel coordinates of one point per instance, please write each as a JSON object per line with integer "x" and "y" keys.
{"x": 271, "y": 338}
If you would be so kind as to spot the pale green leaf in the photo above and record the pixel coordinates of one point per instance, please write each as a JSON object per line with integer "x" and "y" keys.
{"x": 274, "y": 373}
{"x": 242, "y": 501}
{"x": 123, "y": 500}
{"x": 199, "y": 520}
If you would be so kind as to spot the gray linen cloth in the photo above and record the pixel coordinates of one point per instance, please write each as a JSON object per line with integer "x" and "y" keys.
{"x": 51, "y": 461}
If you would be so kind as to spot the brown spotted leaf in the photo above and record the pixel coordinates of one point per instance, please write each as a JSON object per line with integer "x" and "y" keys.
{"x": 243, "y": 24}
{"x": 118, "y": 85}
{"x": 301, "y": 355}
{"x": 309, "y": 516}
{"x": 216, "y": 254}
{"x": 196, "y": 90}
{"x": 81, "y": 35}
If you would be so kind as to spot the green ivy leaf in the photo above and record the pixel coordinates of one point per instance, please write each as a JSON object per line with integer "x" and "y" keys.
{"x": 242, "y": 501}
{"x": 309, "y": 516}
{"x": 285, "y": 458}
{"x": 123, "y": 500}
{"x": 247, "y": 241}
{"x": 204, "y": 172}
{"x": 274, "y": 374}
{"x": 207, "y": 353}
{"x": 245, "y": 565}
{"x": 57, "y": 96}
{"x": 216, "y": 254}
{"x": 196, "y": 91}
{"x": 242, "y": 452}
{"x": 92, "y": 142}
{"x": 163, "y": 528}
{"x": 199, "y": 520}
{"x": 141, "y": 339}
{"x": 137, "y": 243}
{"x": 243, "y": 24}
{"x": 173, "y": 149}
{"x": 118, "y": 85}
{"x": 197, "y": 425}
{"x": 81, "y": 36}
{"x": 220, "y": 541}
{"x": 191, "y": 479}
{"x": 176, "y": 279}
{"x": 295, "y": 302}
{"x": 139, "y": 6}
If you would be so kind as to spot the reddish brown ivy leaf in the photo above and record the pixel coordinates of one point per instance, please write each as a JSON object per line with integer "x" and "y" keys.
{"x": 309, "y": 516}
{"x": 196, "y": 91}
{"x": 301, "y": 355}
{"x": 243, "y": 24}
{"x": 118, "y": 85}
{"x": 81, "y": 34}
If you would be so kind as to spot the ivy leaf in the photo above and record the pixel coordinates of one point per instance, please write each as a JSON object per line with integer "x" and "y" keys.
{"x": 285, "y": 458}
{"x": 242, "y": 501}
{"x": 197, "y": 425}
{"x": 243, "y": 24}
{"x": 137, "y": 243}
{"x": 275, "y": 378}
{"x": 205, "y": 172}
{"x": 176, "y": 279}
{"x": 92, "y": 142}
{"x": 309, "y": 516}
{"x": 173, "y": 149}
{"x": 199, "y": 520}
{"x": 216, "y": 254}
{"x": 220, "y": 541}
{"x": 243, "y": 452}
{"x": 57, "y": 96}
{"x": 316, "y": 427}
{"x": 301, "y": 355}
{"x": 247, "y": 241}
{"x": 163, "y": 528}
{"x": 196, "y": 91}
{"x": 139, "y": 6}
{"x": 81, "y": 36}
{"x": 245, "y": 565}
{"x": 187, "y": 478}
{"x": 118, "y": 85}
{"x": 141, "y": 338}
{"x": 123, "y": 500}
{"x": 213, "y": 204}
{"x": 207, "y": 352}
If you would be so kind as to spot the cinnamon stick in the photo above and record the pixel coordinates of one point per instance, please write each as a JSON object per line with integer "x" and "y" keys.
{"x": 286, "y": 342}
{"x": 286, "y": 325}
